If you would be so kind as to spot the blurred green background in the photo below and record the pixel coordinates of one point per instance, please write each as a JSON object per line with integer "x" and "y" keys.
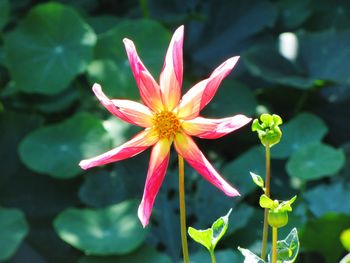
{"x": 295, "y": 62}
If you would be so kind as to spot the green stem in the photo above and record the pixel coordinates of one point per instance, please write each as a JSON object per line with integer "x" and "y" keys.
{"x": 183, "y": 210}
{"x": 212, "y": 255}
{"x": 267, "y": 192}
{"x": 274, "y": 245}
{"x": 144, "y": 8}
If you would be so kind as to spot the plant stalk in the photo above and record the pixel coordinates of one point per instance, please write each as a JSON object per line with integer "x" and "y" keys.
{"x": 183, "y": 209}
{"x": 267, "y": 192}
{"x": 274, "y": 245}
{"x": 212, "y": 255}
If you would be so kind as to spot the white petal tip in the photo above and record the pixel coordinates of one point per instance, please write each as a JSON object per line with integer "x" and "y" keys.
{"x": 96, "y": 87}
{"x": 84, "y": 164}
{"x": 142, "y": 217}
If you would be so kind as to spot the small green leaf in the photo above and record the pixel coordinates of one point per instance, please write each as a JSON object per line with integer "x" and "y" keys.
{"x": 257, "y": 180}
{"x": 49, "y": 48}
{"x": 113, "y": 230}
{"x": 219, "y": 228}
{"x": 250, "y": 257}
{"x": 13, "y": 229}
{"x": 286, "y": 205}
{"x": 266, "y": 202}
{"x": 288, "y": 249}
{"x": 315, "y": 161}
{"x": 345, "y": 239}
{"x": 203, "y": 237}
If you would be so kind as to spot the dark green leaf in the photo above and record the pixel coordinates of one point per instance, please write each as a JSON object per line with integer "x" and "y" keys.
{"x": 13, "y": 229}
{"x": 315, "y": 161}
{"x": 294, "y": 13}
{"x": 110, "y": 231}
{"x": 57, "y": 149}
{"x": 44, "y": 58}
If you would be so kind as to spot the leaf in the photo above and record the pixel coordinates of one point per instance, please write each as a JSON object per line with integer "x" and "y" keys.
{"x": 250, "y": 257}
{"x": 322, "y": 235}
{"x": 288, "y": 249}
{"x": 4, "y": 12}
{"x": 315, "y": 161}
{"x": 219, "y": 228}
{"x": 266, "y": 202}
{"x": 325, "y": 198}
{"x": 303, "y": 130}
{"x": 13, "y": 229}
{"x": 112, "y": 69}
{"x": 113, "y": 230}
{"x": 345, "y": 239}
{"x": 43, "y": 58}
{"x": 144, "y": 254}
{"x": 294, "y": 13}
{"x": 287, "y": 205}
{"x": 257, "y": 180}
{"x": 57, "y": 149}
{"x": 203, "y": 237}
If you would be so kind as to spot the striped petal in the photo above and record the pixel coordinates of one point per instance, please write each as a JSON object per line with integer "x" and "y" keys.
{"x": 129, "y": 111}
{"x": 136, "y": 145}
{"x": 156, "y": 173}
{"x": 202, "y": 93}
{"x": 149, "y": 89}
{"x": 171, "y": 76}
{"x": 214, "y": 128}
{"x": 187, "y": 148}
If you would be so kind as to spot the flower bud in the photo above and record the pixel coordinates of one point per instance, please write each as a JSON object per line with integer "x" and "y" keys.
{"x": 277, "y": 218}
{"x": 268, "y": 131}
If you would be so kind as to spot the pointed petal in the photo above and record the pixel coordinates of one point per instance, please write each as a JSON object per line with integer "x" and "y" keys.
{"x": 171, "y": 76}
{"x": 136, "y": 145}
{"x": 156, "y": 172}
{"x": 187, "y": 148}
{"x": 214, "y": 128}
{"x": 201, "y": 94}
{"x": 129, "y": 111}
{"x": 148, "y": 87}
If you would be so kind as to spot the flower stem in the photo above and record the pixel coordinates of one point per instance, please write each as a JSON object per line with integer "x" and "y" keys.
{"x": 267, "y": 192}
{"x": 274, "y": 245}
{"x": 212, "y": 255}
{"x": 183, "y": 209}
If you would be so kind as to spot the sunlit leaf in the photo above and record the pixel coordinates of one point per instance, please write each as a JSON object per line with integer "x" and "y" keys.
{"x": 288, "y": 249}
{"x": 113, "y": 230}
{"x": 44, "y": 58}
{"x": 250, "y": 257}
{"x": 13, "y": 229}
{"x": 345, "y": 239}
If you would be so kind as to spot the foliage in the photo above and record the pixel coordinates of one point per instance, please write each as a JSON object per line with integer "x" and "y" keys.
{"x": 52, "y": 52}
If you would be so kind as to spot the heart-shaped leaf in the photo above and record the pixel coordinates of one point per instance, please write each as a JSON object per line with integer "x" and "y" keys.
{"x": 288, "y": 249}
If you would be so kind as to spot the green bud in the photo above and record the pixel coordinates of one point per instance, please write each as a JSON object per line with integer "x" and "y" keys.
{"x": 277, "y": 218}
{"x": 268, "y": 131}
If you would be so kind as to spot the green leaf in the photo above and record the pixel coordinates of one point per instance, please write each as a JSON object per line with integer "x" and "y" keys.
{"x": 113, "y": 230}
{"x": 112, "y": 69}
{"x": 144, "y": 254}
{"x": 286, "y": 205}
{"x": 288, "y": 249}
{"x": 345, "y": 239}
{"x": 211, "y": 236}
{"x": 50, "y": 47}
{"x": 303, "y": 130}
{"x": 315, "y": 161}
{"x": 325, "y": 198}
{"x": 258, "y": 180}
{"x": 322, "y": 235}
{"x": 57, "y": 149}
{"x": 266, "y": 202}
{"x": 13, "y": 229}
{"x": 294, "y": 13}
{"x": 250, "y": 257}
{"x": 4, "y": 12}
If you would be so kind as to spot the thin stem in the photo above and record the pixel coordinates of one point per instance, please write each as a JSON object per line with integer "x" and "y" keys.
{"x": 183, "y": 210}
{"x": 267, "y": 192}
{"x": 212, "y": 255}
{"x": 274, "y": 245}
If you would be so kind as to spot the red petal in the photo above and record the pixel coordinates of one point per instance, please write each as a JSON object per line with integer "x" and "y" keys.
{"x": 171, "y": 76}
{"x": 136, "y": 145}
{"x": 156, "y": 172}
{"x": 129, "y": 111}
{"x": 214, "y": 128}
{"x": 202, "y": 93}
{"x": 187, "y": 148}
{"x": 148, "y": 87}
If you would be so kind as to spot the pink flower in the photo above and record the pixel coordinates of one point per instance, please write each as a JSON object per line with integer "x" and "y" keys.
{"x": 168, "y": 119}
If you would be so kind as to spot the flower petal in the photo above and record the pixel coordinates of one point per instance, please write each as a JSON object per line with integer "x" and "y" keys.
{"x": 171, "y": 76}
{"x": 136, "y": 145}
{"x": 149, "y": 89}
{"x": 201, "y": 94}
{"x": 214, "y": 128}
{"x": 129, "y": 111}
{"x": 187, "y": 148}
{"x": 156, "y": 172}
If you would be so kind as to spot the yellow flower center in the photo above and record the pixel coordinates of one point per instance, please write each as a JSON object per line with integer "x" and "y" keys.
{"x": 166, "y": 123}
